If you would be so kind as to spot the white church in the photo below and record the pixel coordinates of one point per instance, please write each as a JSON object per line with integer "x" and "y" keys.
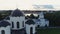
{"x": 17, "y": 24}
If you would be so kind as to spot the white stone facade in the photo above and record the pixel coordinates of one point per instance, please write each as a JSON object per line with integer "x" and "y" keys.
{"x": 28, "y": 28}
{"x": 20, "y": 19}
{"x": 41, "y": 21}
{"x": 6, "y": 29}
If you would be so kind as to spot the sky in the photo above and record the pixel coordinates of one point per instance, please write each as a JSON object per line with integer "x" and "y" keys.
{"x": 28, "y": 4}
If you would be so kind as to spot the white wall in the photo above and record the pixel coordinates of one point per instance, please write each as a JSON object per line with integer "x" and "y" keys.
{"x": 6, "y": 29}
{"x": 28, "y": 28}
{"x": 17, "y": 19}
{"x": 47, "y": 22}
{"x": 42, "y": 21}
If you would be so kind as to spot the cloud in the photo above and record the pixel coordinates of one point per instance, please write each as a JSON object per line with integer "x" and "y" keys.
{"x": 26, "y": 4}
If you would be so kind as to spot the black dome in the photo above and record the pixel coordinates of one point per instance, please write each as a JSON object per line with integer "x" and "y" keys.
{"x": 4, "y": 23}
{"x": 30, "y": 21}
{"x": 17, "y": 12}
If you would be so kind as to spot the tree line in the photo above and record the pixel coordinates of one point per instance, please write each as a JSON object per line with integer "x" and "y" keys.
{"x": 32, "y": 16}
{"x": 54, "y": 18}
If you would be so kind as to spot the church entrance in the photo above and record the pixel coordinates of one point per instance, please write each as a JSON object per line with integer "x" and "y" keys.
{"x": 2, "y": 32}
{"x": 31, "y": 30}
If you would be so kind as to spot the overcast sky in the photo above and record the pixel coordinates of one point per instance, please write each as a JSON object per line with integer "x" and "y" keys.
{"x": 27, "y": 4}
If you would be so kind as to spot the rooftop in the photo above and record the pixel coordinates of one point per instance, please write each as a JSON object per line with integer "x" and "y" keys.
{"x": 16, "y": 13}
{"x": 30, "y": 21}
{"x": 4, "y": 23}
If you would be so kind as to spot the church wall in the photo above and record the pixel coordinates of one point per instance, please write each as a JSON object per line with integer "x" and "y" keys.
{"x": 28, "y": 28}
{"x": 18, "y": 19}
{"x": 6, "y": 29}
{"x": 47, "y": 23}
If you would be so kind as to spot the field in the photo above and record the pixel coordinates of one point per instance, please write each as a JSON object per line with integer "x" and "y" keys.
{"x": 49, "y": 31}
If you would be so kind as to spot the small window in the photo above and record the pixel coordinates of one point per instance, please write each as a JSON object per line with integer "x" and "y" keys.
{"x": 31, "y": 30}
{"x": 23, "y": 23}
{"x": 12, "y": 25}
{"x": 17, "y": 24}
{"x": 2, "y": 32}
{"x": 38, "y": 26}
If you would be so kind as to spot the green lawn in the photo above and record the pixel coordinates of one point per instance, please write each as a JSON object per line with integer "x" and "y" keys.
{"x": 49, "y": 31}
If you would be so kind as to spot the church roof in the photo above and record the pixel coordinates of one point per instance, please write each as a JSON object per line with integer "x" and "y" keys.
{"x": 30, "y": 21}
{"x": 17, "y": 12}
{"x": 4, "y": 23}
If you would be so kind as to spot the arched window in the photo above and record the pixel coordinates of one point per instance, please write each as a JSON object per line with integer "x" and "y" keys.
{"x": 23, "y": 24}
{"x": 46, "y": 25}
{"x": 38, "y": 26}
{"x": 17, "y": 24}
{"x": 31, "y": 30}
{"x": 2, "y": 32}
{"x": 12, "y": 25}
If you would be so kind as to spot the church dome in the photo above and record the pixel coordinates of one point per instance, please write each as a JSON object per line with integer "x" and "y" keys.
{"x": 30, "y": 21}
{"x": 17, "y": 12}
{"x": 4, "y": 23}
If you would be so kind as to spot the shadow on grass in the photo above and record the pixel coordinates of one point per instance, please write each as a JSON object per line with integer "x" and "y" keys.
{"x": 49, "y": 31}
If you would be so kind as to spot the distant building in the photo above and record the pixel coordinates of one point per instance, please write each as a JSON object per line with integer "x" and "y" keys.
{"x": 42, "y": 22}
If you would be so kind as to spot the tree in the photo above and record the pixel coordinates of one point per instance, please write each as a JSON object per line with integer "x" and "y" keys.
{"x": 32, "y": 16}
{"x": 1, "y": 17}
{"x": 54, "y": 18}
{"x": 27, "y": 17}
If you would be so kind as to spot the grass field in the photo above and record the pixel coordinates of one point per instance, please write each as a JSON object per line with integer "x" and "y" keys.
{"x": 49, "y": 31}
